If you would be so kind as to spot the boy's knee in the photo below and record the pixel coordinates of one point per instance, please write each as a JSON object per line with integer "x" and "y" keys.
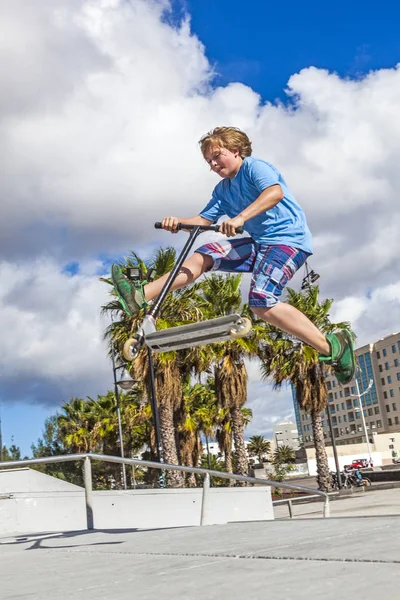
{"x": 262, "y": 312}
{"x": 204, "y": 261}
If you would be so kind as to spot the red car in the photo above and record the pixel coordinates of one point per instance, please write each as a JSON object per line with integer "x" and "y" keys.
{"x": 360, "y": 463}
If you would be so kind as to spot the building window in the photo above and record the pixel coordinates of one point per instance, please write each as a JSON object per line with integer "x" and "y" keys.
{"x": 391, "y": 392}
{"x": 376, "y": 409}
{"x": 338, "y": 407}
{"x": 384, "y": 352}
{"x": 358, "y": 414}
{"x": 396, "y": 362}
{"x": 353, "y": 389}
{"x": 345, "y": 418}
{"x": 389, "y": 379}
{"x": 370, "y": 412}
{"x": 382, "y": 380}
{"x": 343, "y": 406}
{"x": 385, "y": 395}
{"x": 393, "y": 349}
{"x": 398, "y": 344}
{"x": 386, "y": 366}
{"x": 387, "y": 408}
{"x": 329, "y": 385}
{"x": 390, "y": 422}
{"x": 394, "y": 406}
{"x": 379, "y": 424}
{"x": 339, "y": 419}
{"x": 398, "y": 375}
{"x": 378, "y": 355}
{"x": 380, "y": 368}
{"x": 396, "y": 420}
{"x": 335, "y": 395}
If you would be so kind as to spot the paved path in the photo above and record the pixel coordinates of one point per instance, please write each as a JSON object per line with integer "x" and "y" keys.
{"x": 360, "y": 503}
{"x": 357, "y": 557}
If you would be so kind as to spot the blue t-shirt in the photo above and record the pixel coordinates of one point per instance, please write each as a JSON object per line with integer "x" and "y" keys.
{"x": 284, "y": 224}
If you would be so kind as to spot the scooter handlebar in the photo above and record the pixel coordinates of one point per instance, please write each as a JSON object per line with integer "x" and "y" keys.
{"x": 215, "y": 228}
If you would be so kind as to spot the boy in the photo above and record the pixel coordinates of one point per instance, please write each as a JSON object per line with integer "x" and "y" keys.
{"x": 252, "y": 194}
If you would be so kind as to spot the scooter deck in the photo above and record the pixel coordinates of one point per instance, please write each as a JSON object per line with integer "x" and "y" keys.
{"x": 194, "y": 334}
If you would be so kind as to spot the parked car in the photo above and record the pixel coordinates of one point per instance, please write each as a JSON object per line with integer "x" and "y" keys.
{"x": 360, "y": 463}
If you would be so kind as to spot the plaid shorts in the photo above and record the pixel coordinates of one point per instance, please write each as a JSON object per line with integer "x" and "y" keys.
{"x": 272, "y": 266}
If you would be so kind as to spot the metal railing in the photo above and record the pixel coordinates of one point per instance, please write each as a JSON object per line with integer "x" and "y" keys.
{"x": 289, "y": 501}
{"x": 208, "y": 473}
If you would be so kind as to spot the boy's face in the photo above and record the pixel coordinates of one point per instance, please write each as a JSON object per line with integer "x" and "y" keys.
{"x": 224, "y": 162}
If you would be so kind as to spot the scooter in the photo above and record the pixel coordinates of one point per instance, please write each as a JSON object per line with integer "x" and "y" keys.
{"x": 184, "y": 336}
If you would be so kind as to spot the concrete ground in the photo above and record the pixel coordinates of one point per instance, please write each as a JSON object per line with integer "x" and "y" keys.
{"x": 353, "y": 554}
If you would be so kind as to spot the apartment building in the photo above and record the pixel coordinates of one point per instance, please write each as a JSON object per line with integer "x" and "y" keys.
{"x": 379, "y": 363}
{"x": 286, "y": 434}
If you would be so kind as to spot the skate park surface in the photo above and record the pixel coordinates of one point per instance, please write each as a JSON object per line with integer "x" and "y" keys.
{"x": 353, "y": 554}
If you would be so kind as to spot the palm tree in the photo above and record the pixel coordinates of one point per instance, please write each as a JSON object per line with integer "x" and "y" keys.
{"x": 200, "y": 413}
{"x": 178, "y": 308}
{"x": 76, "y": 425}
{"x": 287, "y": 360}
{"x": 284, "y": 455}
{"x": 259, "y": 446}
{"x": 221, "y": 296}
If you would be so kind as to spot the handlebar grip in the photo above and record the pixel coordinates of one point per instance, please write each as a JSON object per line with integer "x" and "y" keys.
{"x": 238, "y": 229}
{"x": 216, "y": 228}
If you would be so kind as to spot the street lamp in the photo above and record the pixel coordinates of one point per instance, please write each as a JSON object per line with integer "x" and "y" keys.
{"x": 310, "y": 278}
{"x": 125, "y": 383}
{"x": 359, "y": 396}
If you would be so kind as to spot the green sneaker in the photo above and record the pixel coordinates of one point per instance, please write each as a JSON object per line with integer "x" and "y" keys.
{"x": 342, "y": 357}
{"x": 130, "y": 293}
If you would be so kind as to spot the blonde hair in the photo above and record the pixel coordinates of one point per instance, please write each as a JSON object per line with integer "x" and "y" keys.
{"x": 231, "y": 138}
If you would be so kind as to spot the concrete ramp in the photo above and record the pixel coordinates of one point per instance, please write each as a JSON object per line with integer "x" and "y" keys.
{"x": 295, "y": 560}
{"x": 25, "y": 480}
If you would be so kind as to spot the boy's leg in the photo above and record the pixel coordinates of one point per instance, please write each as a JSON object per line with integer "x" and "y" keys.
{"x": 134, "y": 295}
{"x": 227, "y": 255}
{"x": 292, "y": 321}
{"x": 336, "y": 349}
{"x": 275, "y": 266}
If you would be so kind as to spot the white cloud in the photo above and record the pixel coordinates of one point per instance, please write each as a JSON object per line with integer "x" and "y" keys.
{"x": 105, "y": 103}
{"x": 53, "y": 326}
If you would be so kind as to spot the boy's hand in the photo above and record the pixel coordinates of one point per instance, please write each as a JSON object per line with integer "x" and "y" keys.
{"x": 170, "y": 224}
{"x": 229, "y": 227}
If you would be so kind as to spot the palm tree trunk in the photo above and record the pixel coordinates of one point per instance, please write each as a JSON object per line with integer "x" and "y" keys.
{"x": 229, "y": 466}
{"x": 323, "y": 474}
{"x": 174, "y": 478}
{"x": 208, "y": 453}
{"x": 242, "y": 465}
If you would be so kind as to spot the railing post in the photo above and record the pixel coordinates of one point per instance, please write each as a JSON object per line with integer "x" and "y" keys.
{"x": 327, "y": 507}
{"x": 204, "y": 499}
{"x": 290, "y": 509}
{"x": 87, "y": 479}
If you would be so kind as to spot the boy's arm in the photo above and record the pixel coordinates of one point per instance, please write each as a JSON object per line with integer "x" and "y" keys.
{"x": 171, "y": 223}
{"x": 265, "y": 201}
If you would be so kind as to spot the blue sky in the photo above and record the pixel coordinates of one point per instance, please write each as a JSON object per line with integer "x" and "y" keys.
{"x": 261, "y": 45}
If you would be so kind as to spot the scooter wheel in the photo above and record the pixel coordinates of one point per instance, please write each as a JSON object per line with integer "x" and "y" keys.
{"x": 367, "y": 482}
{"x": 131, "y": 349}
{"x": 241, "y": 328}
